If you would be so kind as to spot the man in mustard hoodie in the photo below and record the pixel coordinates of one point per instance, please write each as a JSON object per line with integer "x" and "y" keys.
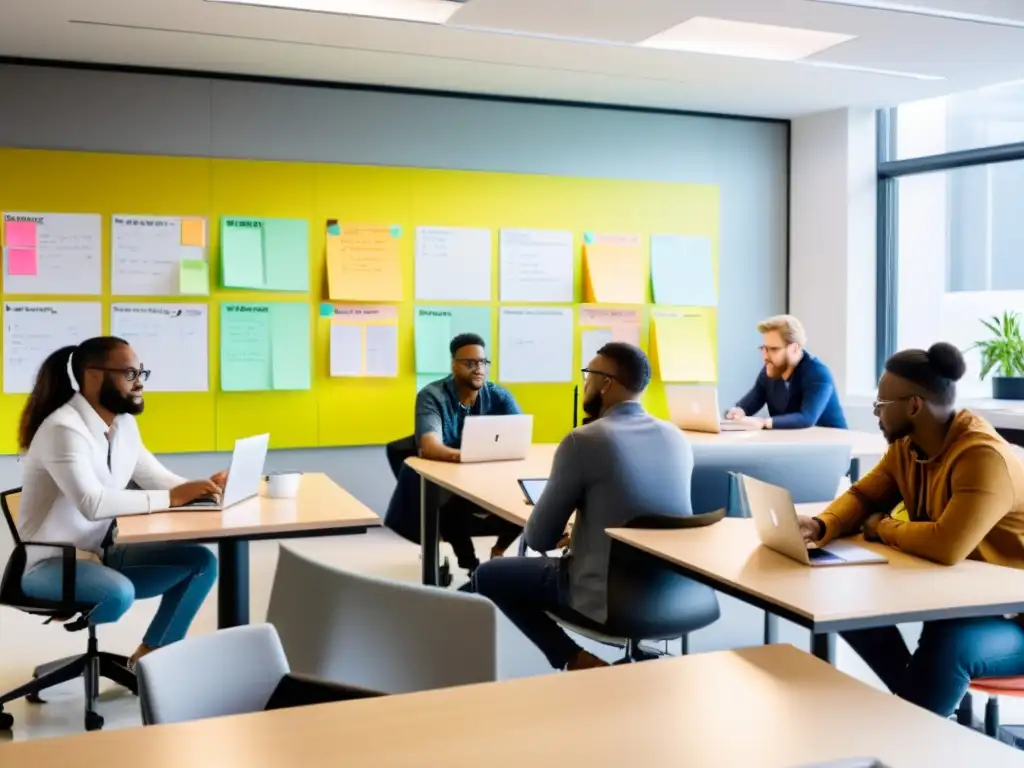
{"x": 963, "y": 490}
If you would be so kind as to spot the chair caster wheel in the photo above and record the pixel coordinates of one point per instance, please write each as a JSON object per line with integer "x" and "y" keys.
{"x": 33, "y": 698}
{"x": 444, "y": 573}
{"x": 6, "y": 721}
{"x": 93, "y": 721}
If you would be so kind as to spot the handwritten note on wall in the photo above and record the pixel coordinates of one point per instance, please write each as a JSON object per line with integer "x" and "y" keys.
{"x": 151, "y": 254}
{"x": 171, "y": 341}
{"x": 34, "y": 330}
{"x": 52, "y": 253}
{"x": 363, "y": 262}
{"x": 264, "y": 346}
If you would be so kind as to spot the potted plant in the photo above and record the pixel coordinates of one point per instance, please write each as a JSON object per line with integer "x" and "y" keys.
{"x": 1003, "y": 355}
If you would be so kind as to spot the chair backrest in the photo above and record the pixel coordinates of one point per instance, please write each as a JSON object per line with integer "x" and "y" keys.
{"x": 10, "y": 502}
{"x": 809, "y": 472}
{"x": 398, "y": 451}
{"x": 229, "y": 672}
{"x": 388, "y": 636}
{"x": 647, "y": 600}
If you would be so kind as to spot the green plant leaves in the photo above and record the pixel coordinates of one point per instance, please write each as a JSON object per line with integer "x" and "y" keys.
{"x": 1004, "y": 352}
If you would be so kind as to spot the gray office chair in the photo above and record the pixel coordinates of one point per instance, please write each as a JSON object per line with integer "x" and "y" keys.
{"x": 809, "y": 472}
{"x": 647, "y": 600}
{"x": 388, "y": 636}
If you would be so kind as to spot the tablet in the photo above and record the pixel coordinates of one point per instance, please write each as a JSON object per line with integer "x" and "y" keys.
{"x": 532, "y": 488}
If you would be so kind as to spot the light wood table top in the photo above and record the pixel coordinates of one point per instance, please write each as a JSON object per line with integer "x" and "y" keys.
{"x": 861, "y": 443}
{"x": 767, "y": 707}
{"x": 320, "y": 505}
{"x": 729, "y": 556}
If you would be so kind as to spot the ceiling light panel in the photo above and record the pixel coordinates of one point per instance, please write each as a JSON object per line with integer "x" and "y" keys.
{"x": 989, "y": 13}
{"x": 724, "y": 37}
{"x": 426, "y": 11}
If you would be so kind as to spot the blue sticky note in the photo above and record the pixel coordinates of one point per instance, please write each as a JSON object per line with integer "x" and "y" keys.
{"x": 682, "y": 271}
{"x": 326, "y": 310}
{"x": 436, "y": 326}
{"x": 333, "y": 229}
{"x": 588, "y": 237}
{"x": 396, "y": 231}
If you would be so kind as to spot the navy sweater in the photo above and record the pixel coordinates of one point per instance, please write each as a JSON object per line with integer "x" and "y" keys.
{"x": 807, "y": 399}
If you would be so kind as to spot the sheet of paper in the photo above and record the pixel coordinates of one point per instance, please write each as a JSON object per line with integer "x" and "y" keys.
{"x": 147, "y": 253}
{"x": 364, "y": 341}
{"x": 623, "y": 323}
{"x": 193, "y": 232}
{"x": 290, "y": 346}
{"x": 245, "y": 353}
{"x": 241, "y": 252}
{"x": 536, "y": 265}
{"x": 453, "y": 264}
{"x": 194, "y": 278}
{"x": 22, "y": 262}
{"x": 682, "y": 271}
{"x": 171, "y": 340}
{"x": 614, "y": 274}
{"x": 286, "y": 254}
{"x": 535, "y": 344}
{"x": 434, "y": 329}
{"x": 68, "y": 253}
{"x": 591, "y": 340}
{"x": 683, "y": 347}
{"x": 363, "y": 262}
{"x": 35, "y": 330}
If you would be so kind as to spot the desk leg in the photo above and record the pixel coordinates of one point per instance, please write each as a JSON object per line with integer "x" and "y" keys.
{"x": 824, "y": 647}
{"x": 233, "y": 583}
{"x": 854, "y": 472}
{"x": 771, "y": 628}
{"x": 430, "y": 535}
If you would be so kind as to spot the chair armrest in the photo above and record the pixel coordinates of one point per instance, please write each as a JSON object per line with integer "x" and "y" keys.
{"x": 297, "y": 690}
{"x": 69, "y": 559}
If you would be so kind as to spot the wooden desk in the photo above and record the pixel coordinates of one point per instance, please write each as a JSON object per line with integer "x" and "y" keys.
{"x": 728, "y": 557}
{"x": 321, "y": 508}
{"x": 768, "y": 707}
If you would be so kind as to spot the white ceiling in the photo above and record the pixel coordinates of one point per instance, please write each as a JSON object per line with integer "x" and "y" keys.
{"x": 520, "y": 48}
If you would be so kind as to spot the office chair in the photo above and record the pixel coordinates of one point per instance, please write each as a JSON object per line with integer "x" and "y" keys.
{"x": 994, "y": 687}
{"x": 91, "y": 665}
{"x": 647, "y": 600}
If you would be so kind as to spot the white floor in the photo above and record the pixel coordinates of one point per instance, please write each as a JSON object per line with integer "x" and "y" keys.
{"x": 25, "y": 642}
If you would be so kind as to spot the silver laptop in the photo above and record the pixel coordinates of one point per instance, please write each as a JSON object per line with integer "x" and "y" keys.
{"x": 696, "y": 409}
{"x": 244, "y": 476}
{"x": 777, "y": 526}
{"x": 496, "y": 438}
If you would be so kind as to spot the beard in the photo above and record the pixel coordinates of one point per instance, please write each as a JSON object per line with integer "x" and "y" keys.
{"x": 592, "y": 408}
{"x": 896, "y": 434}
{"x": 117, "y": 403}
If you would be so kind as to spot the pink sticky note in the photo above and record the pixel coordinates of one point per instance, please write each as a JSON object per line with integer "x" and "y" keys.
{"x": 22, "y": 261}
{"x": 20, "y": 234}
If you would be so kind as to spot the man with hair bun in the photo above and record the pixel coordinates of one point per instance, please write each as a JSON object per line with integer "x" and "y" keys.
{"x": 963, "y": 489}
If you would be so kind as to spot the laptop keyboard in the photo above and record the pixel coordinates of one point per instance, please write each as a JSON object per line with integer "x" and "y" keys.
{"x": 821, "y": 556}
{"x": 201, "y": 503}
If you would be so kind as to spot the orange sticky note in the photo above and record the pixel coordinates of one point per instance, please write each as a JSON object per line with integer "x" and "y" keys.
{"x": 363, "y": 263}
{"x": 193, "y": 232}
{"x": 615, "y": 274}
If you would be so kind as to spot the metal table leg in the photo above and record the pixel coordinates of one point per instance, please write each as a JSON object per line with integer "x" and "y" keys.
{"x": 233, "y": 583}
{"x": 430, "y": 535}
{"x": 824, "y": 647}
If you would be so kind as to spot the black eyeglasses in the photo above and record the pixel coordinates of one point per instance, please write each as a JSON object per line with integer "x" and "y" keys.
{"x": 130, "y": 374}
{"x": 473, "y": 364}
{"x": 591, "y": 372}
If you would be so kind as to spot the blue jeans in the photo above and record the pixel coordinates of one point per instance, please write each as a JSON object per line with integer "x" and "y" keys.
{"x": 182, "y": 573}
{"x": 949, "y": 655}
{"x": 525, "y": 589}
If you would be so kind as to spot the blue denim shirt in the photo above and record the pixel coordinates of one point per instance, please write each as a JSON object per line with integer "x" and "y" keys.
{"x": 438, "y": 409}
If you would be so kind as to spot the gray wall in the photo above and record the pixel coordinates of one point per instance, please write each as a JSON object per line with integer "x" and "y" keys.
{"x": 150, "y": 114}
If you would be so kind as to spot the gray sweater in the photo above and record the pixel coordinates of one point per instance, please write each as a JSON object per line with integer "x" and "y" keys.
{"x": 625, "y": 464}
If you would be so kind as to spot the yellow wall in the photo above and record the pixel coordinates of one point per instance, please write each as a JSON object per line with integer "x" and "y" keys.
{"x": 336, "y": 411}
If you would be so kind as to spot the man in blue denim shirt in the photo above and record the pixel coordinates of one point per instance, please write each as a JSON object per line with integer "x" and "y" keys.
{"x": 441, "y": 410}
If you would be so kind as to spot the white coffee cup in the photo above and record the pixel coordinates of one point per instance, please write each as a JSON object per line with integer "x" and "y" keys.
{"x": 284, "y": 485}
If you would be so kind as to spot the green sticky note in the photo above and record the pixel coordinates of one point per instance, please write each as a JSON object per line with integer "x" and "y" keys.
{"x": 436, "y": 326}
{"x": 194, "y": 277}
{"x": 241, "y": 252}
{"x": 334, "y": 229}
{"x": 286, "y": 254}
{"x": 290, "y": 344}
{"x": 588, "y": 238}
{"x": 396, "y": 231}
{"x": 326, "y": 310}
{"x": 245, "y": 351}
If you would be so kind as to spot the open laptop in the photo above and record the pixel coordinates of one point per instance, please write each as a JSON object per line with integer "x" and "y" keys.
{"x": 496, "y": 438}
{"x": 696, "y": 409}
{"x": 777, "y": 526}
{"x": 244, "y": 476}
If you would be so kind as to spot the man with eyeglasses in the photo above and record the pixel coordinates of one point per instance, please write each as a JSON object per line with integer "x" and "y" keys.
{"x": 795, "y": 385}
{"x": 441, "y": 410}
{"x": 623, "y": 464}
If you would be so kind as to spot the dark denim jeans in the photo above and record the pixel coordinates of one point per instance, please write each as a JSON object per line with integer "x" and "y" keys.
{"x": 949, "y": 655}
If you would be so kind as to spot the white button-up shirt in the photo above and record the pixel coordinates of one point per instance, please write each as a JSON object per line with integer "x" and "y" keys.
{"x": 70, "y": 496}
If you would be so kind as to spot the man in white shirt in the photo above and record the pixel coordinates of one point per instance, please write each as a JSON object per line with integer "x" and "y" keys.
{"x": 81, "y": 448}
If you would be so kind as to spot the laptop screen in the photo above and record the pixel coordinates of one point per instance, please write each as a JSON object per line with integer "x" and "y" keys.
{"x": 533, "y": 488}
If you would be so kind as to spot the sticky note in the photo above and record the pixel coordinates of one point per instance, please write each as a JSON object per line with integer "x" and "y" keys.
{"x": 22, "y": 262}
{"x": 682, "y": 271}
{"x": 193, "y": 232}
{"x": 194, "y": 277}
{"x": 245, "y": 351}
{"x": 286, "y": 254}
{"x": 588, "y": 237}
{"x": 333, "y": 228}
{"x": 396, "y": 231}
{"x": 615, "y": 274}
{"x": 682, "y": 348}
{"x": 21, "y": 234}
{"x": 326, "y": 310}
{"x": 241, "y": 253}
{"x": 363, "y": 264}
{"x": 436, "y": 326}
{"x": 290, "y": 346}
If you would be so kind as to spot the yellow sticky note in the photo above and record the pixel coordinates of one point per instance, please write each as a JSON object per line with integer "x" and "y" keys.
{"x": 363, "y": 263}
{"x": 194, "y": 277}
{"x": 193, "y": 232}
{"x": 682, "y": 348}
{"x": 614, "y": 274}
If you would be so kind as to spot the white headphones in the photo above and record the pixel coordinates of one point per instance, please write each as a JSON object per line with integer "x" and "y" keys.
{"x": 71, "y": 373}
